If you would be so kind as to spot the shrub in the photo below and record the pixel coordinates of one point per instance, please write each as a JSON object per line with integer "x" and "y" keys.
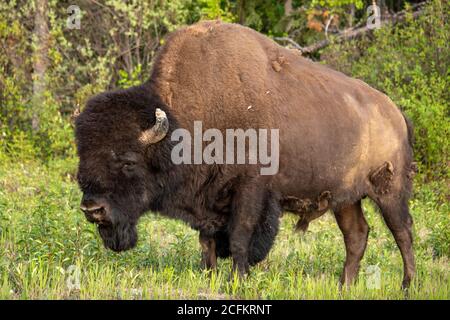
{"x": 410, "y": 63}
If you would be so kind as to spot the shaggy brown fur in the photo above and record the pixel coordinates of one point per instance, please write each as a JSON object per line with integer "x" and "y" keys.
{"x": 381, "y": 178}
{"x": 307, "y": 210}
{"x": 335, "y": 132}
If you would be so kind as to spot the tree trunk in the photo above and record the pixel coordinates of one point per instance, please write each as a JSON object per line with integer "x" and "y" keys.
{"x": 352, "y": 15}
{"x": 288, "y": 7}
{"x": 241, "y": 11}
{"x": 40, "y": 59}
{"x": 287, "y": 12}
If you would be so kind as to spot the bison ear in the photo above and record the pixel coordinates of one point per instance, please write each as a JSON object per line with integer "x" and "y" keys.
{"x": 158, "y": 131}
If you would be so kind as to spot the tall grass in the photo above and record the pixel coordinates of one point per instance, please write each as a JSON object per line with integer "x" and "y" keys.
{"x": 43, "y": 234}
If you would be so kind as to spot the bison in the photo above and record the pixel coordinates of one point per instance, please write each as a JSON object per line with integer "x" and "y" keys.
{"x": 339, "y": 141}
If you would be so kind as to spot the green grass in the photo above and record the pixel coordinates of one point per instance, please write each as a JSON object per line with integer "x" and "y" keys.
{"x": 42, "y": 234}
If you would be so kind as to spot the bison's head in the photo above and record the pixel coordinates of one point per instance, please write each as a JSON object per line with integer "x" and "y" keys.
{"x": 123, "y": 158}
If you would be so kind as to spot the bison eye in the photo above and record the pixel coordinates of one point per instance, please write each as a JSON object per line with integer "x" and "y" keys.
{"x": 128, "y": 166}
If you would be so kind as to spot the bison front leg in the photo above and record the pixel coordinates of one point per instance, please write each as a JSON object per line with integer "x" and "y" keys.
{"x": 208, "y": 245}
{"x": 246, "y": 211}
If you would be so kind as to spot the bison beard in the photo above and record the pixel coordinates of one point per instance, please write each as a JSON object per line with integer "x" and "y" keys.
{"x": 118, "y": 237}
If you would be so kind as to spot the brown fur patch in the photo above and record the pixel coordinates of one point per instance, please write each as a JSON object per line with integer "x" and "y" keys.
{"x": 307, "y": 209}
{"x": 381, "y": 178}
{"x": 276, "y": 66}
{"x": 278, "y": 63}
{"x": 296, "y": 205}
{"x": 323, "y": 201}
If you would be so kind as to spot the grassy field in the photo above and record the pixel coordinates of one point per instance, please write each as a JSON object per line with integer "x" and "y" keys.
{"x": 49, "y": 251}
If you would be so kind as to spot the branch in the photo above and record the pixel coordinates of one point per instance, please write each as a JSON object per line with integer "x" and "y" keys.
{"x": 292, "y": 42}
{"x": 351, "y": 33}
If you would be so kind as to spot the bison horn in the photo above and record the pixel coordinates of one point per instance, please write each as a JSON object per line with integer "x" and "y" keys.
{"x": 158, "y": 131}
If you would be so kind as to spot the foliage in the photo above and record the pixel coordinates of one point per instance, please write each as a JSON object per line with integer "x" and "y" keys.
{"x": 117, "y": 41}
{"x": 114, "y": 47}
{"x": 42, "y": 233}
{"x": 337, "y": 3}
{"x": 410, "y": 63}
{"x": 218, "y": 9}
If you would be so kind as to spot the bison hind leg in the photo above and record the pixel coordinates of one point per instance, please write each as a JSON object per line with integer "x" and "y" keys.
{"x": 395, "y": 211}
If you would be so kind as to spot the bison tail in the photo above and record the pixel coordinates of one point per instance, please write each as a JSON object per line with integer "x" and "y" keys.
{"x": 410, "y": 129}
{"x": 411, "y": 168}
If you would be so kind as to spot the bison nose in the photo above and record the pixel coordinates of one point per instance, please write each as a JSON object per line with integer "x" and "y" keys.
{"x": 94, "y": 213}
